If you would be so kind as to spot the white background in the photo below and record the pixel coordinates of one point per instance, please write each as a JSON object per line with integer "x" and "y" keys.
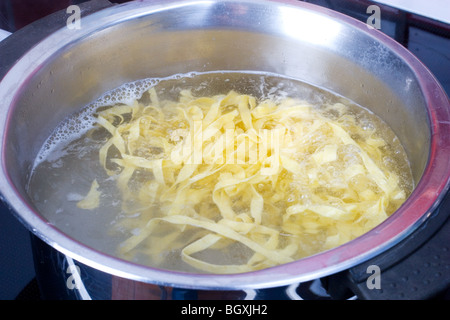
{"x": 435, "y": 9}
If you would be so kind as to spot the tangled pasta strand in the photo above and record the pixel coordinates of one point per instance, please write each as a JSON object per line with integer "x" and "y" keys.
{"x": 279, "y": 178}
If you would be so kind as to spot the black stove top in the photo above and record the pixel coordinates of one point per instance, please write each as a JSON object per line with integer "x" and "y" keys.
{"x": 428, "y": 39}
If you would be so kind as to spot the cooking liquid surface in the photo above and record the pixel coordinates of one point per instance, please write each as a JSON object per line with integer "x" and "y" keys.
{"x": 69, "y": 162}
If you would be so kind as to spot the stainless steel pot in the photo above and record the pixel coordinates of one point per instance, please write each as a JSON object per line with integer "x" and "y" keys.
{"x": 69, "y": 68}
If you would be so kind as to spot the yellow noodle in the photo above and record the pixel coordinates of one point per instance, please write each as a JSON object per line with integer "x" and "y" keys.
{"x": 267, "y": 175}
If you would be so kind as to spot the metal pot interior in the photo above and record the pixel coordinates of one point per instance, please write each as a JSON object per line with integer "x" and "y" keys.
{"x": 124, "y": 43}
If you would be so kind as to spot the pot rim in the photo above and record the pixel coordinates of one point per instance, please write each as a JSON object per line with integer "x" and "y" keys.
{"x": 425, "y": 198}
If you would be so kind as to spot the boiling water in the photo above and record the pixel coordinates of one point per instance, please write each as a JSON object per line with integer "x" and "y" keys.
{"x": 69, "y": 160}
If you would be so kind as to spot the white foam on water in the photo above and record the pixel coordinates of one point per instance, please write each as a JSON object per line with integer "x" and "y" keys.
{"x": 75, "y": 126}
